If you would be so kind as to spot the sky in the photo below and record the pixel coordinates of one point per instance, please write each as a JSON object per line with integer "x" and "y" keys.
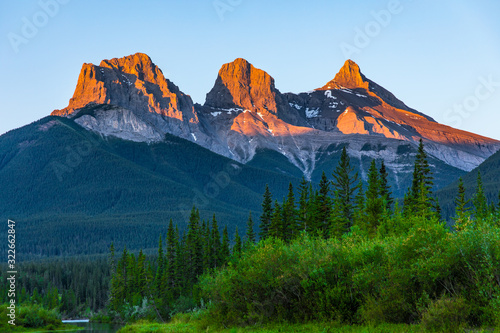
{"x": 439, "y": 57}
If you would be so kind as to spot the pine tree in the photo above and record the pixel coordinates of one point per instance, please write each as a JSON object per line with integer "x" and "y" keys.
{"x": 374, "y": 201}
{"x": 303, "y": 214}
{"x": 193, "y": 249}
{"x": 207, "y": 245}
{"x": 250, "y": 235}
{"x": 419, "y": 199}
{"x": 385, "y": 188}
{"x": 289, "y": 216}
{"x": 216, "y": 244}
{"x": 237, "y": 243}
{"x": 275, "y": 229}
{"x": 460, "y": 203}
{"x": 267, "y": 213}
{"x": 359, "y": 208}
{"x": 224, "y": 250}
{"x": 345, "y": 185}
{"x": 339, "y": 224}
{"x": 119, "y": 282}
{"x": 322, "y": 208}
{"x": 479, "y": 200}
{"x": 172, "y": 245}
{"x": 140, "y": 278}
{"x": 180, "y": 265}
{"x": 160, "y": 272}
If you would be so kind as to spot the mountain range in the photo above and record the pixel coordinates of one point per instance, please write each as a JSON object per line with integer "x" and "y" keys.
{"x": 131, "y": 146}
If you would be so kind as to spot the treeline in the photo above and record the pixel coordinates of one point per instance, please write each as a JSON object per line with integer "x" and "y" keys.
{"x": 341, "y": 203}
{"x": 73, "y": 286}
{"x": 157, "y": 288}
{"x": 351, "y": 256}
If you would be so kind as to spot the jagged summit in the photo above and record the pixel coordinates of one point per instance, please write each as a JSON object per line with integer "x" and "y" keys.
{"x": 139, "y": 64}
{"x": 133, "y": 82}
{"x": 240, "y": 84}
{"x": 245, "y": 113}
{"x": 349, "y": 76}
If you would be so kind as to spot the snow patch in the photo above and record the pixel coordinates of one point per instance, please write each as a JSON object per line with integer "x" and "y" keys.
{"x": 215, "y": 114}
{"x": 312, "y": 113}
{"x": 194, "y": 137}
{"x": 298, "y": 107}
{"x": 328, "y": 94}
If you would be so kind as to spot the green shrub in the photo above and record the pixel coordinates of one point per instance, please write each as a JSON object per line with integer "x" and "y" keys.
{"x": 446, "y": 315}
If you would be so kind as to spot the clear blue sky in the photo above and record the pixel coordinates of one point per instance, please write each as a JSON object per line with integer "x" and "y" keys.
{"x": 430, "y": 54}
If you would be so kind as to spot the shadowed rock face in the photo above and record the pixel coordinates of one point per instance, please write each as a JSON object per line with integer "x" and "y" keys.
{"x": 133, "y": 82}
{"x": 244, "y": 112}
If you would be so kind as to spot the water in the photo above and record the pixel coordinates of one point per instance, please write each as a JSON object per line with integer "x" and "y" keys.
{"x": 94, "y": 327}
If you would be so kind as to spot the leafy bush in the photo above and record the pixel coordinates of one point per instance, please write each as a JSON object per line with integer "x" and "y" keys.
{"x": 36, "y": 316}
{"x": 446, "y": 315}
{"x": 425, "y": 272}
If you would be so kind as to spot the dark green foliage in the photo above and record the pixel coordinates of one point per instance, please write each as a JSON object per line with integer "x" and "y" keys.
{"x": 490, "y": 177}
{"x": 461, "y": 208}
{"x": 69, "y": 285}
{"x": 250, "y": 234}
{"x": 267, "y": 213}
{"x": 305, "y": 206}
{"x": 224, "y": 250}
{"x": 276, "y": 227}
{"x": 424, "y": 272}
{"x": 322, "y": 208}
{"x": 345, "y": 183}
{"x": 156, "y": 287}
{"x": 237, "y": 243}
{"x": 289, "y": 216}
{"x": 374, "y": 200}
{"x": 479, "y": 199}
{"x": 419, "y": 198}
{"x": 69, "y": 182}
{"x": 385, "y": 188}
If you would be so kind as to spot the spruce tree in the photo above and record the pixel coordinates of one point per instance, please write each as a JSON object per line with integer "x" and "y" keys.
{"x": 275, "y": 229}
{"x": 207, "y": 245}
{"x": 224, "y": 250}
{"x": 216, "y": 244}
{"x": 419, "y": 198}
{"x": 479, "y": 200}
{"x": 172, "y": 245}
{"x": 267, "y": 213}
{"x": 237, "y": 243}
{"x": 339, "y": 224}
{"x": 359, "y": 208}
{"x": 193, "y": 249}
{"x": 322, "y": 208}
{"x": 289, "y": 216}
{"x": 345, "y": 183}
{"x": 180, "y": 265}
{"x": 374, "y": 200}
{"x": 303, "y": 214}
{"x": 250, "y": 235}
{"x": 160, "y": 272}
{"x": 460, "y": 202}
{"x": 385, "y": 188}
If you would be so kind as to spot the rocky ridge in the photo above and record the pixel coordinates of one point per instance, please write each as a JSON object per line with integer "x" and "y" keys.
{"x": 245, "y": 113}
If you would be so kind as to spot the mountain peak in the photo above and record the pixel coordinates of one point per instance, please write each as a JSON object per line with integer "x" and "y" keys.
{"x": 138, "y": 64}
{"x": 133, "y": 82}
{"x": 349, "y": 76}
{"x": 240, "y": 84}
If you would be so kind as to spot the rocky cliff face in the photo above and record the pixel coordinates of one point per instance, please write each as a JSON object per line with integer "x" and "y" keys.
{"x": 244, "y": 113}
{"x": 149, "y": 105}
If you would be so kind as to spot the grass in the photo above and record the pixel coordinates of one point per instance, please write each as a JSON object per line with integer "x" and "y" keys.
{"x": 49, "y": 328}
{"x": 187, "y": 323}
